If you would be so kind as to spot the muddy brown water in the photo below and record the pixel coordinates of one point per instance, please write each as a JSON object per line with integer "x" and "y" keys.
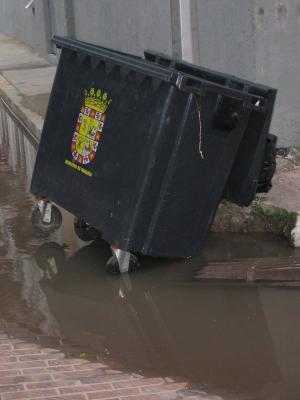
{"x": 237, "y": 342}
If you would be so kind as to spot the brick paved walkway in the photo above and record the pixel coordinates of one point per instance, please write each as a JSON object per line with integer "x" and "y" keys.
{"x": 31, "y": 371}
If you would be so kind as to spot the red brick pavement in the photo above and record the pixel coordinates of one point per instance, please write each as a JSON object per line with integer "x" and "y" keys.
{"x": 31, "y": 371}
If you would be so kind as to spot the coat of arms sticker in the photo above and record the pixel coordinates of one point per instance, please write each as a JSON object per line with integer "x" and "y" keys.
{"x": 88, "y": 130}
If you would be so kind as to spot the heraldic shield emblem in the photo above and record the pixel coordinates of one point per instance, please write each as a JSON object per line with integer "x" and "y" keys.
{"x": 89, "y": 128}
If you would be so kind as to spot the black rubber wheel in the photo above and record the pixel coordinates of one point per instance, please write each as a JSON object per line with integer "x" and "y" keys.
{"x": 43, "y": 227}
{"x": 269, "y": 165}
{"x": 85, "y": 231}
{"x": 112, "y": 265}
{"x": 50, "y": 257}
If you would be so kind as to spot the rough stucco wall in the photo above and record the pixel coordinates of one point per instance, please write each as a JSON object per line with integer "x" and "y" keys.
{"x": 14, "y": 21}
{"x": 127, "y": 25}
{"x": 257, "y": 40}
{"x": 226, "y": 36}
{"x": 277, "y": 50}
{"x": 23, "y": 24}
{"x": 59, "y": 17}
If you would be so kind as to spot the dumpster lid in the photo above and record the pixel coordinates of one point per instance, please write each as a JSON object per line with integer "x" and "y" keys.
{"x": 208, "y": 74}
{"x": 134, "y": 63}
{"x": 182, "y": 80}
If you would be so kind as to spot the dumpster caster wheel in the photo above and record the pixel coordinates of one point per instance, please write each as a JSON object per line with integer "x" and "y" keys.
{"x": 269, "y": 165}
{"x": 50, "y": 258}
{"x": 85, "y": 231}
{"x": 46, "y": 218}
{"x": 122, "y": 262}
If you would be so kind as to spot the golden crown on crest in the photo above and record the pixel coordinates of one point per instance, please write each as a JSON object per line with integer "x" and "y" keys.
{"x": 97, "y": 99}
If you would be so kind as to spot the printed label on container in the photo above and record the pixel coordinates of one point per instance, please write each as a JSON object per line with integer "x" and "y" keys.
{"x": 88, "y": 130}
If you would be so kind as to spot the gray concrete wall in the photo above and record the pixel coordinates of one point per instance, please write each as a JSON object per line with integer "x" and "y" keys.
{"x": 128, "y": 25}
{"x": 258, "y": 40}
{"x": 26, "y": 25}
{"x": 226, "y": 36}
{"x": 254, "y": 39}
{"x": 277, "y": 55}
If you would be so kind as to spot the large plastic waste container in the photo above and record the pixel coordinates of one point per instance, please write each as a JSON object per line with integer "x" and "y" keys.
{"x": 139, "y": 151}
{"x": 255, "y": 162}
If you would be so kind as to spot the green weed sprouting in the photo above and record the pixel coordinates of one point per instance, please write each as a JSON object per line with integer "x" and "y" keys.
{"x": 279, "y": 220}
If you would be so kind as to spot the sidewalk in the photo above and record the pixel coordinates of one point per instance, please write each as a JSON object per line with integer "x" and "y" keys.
{"x": 25, "y": 85}
{"x": 31, "y": 371}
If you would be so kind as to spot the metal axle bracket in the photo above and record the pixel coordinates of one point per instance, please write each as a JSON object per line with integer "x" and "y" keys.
{"x": 123, "y": 258}
{"x": 45, "y": 208}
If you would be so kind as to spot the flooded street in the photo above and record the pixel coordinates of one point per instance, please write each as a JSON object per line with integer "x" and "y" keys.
{"x": 236, "y": 341}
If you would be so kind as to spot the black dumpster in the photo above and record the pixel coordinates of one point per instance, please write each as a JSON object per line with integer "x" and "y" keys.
{"x": 255, "y": 163}
{"x": 139, "y": 151}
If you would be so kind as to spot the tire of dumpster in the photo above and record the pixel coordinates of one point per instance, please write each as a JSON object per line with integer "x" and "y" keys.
{"x": 50, "y": 257}
{"x": 112, "y": 265}
{"x": 85, "y": 231}
{"x": 269, "y": 165}
{"x": 46, "y": 228}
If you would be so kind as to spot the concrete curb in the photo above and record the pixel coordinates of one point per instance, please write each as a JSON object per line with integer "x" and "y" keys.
{"x": 12, "y": 101}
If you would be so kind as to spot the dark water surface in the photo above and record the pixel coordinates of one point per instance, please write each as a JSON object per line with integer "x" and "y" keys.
{"x": 238, "y": 342}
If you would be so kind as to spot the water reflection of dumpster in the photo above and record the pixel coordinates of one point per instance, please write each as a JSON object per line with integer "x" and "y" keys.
{"x": 140, "y": 151}
{"x": 218, "y": 337}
